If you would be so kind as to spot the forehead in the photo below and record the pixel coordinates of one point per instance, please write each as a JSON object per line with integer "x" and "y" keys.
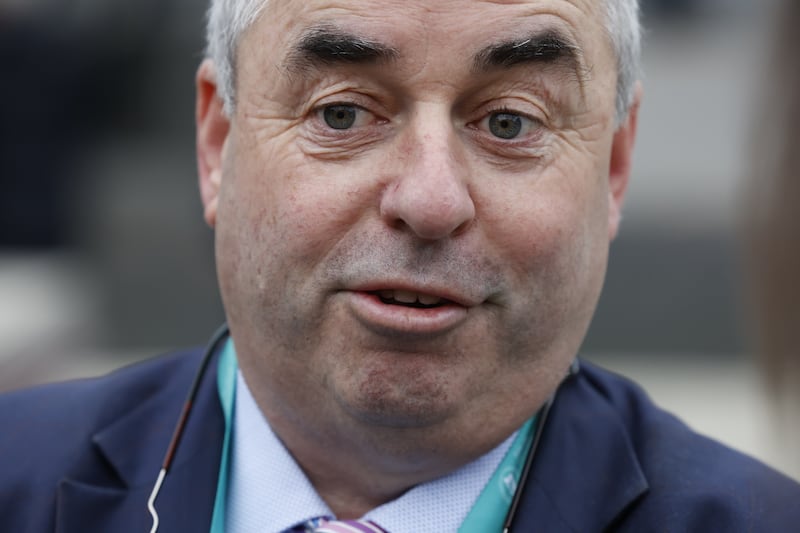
{"x": 442, "y": 27}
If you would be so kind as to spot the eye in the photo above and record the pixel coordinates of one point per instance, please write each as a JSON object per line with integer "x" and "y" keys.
{"x": 506, "y": 125}
{"x": 340, "y": 117}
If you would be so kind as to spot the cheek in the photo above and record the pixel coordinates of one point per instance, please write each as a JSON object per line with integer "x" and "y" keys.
{"x": 253, "y": 231}
{"x": 537, "y": 235}
{"x": 282, "y": 214}
{"x": 266, "y": 201}
{"x": 551, "y": 232}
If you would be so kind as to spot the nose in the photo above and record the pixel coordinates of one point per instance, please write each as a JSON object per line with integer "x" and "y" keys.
{"x": 429, "y": 195}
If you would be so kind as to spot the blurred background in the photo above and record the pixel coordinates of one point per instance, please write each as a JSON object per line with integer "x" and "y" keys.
{"x": 105, "y": 259}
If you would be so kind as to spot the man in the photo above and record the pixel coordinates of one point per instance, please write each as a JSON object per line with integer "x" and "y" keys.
{"x": 413, "y": 203}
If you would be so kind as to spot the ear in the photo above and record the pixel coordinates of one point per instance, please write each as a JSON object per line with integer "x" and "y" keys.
{"x": 212, "y": 133}
{"x": 621, "y": 163}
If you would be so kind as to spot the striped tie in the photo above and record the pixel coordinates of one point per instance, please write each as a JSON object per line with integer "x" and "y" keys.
{"x": 348, "y": 526}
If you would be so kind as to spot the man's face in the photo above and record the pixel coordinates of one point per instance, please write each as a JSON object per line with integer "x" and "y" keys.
{"x": 413, "y": 203}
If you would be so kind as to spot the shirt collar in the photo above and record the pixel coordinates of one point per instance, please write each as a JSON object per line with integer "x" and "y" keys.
{"x": 268, "y": 492}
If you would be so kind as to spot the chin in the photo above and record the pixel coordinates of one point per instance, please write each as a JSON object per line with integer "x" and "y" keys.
{"x": 407, "y": 416}
{"x": 389, "y": 405}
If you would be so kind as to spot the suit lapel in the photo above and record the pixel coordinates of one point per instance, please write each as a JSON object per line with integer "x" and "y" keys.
{"x": 586, "y": 472}
{"x": 129, "y": 454}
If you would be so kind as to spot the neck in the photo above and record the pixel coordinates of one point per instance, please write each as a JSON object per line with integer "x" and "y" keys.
{"x": 355, "y": 477}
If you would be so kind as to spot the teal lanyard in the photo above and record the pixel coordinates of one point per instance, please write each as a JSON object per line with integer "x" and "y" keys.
{"x": 226, "y": 385}
{"x": 486, "y": 515}
{"x": 489, "y": 512}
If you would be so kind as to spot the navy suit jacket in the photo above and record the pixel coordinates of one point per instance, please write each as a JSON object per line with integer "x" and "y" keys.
{"x": 82, "y": 457}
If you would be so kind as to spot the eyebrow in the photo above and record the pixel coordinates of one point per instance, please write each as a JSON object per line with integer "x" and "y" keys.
{"x": 327, "y": 45}
{"x": 548, "y": 47}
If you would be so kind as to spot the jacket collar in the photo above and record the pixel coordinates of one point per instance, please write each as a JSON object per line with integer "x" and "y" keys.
{"x": 129, "y": 453}
{"x": 586, "y": 472}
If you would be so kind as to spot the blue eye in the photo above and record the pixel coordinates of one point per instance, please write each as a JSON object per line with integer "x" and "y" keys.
{"x": 505, "y": 125}
{"x": 340, "y": 117}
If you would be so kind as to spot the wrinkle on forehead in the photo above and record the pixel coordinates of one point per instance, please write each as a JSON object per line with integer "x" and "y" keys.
{"x": 441, "y": 39}
{"x": 401, "y": 20}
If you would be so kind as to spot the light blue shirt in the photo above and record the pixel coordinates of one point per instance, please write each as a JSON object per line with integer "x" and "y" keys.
{"x": 269, "y": 493}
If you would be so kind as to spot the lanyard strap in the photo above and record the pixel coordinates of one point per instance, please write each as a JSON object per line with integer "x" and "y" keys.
{"x": 491, "y": 508}
{"x": 226, "y": 385}
{"x": 486, "y": 515}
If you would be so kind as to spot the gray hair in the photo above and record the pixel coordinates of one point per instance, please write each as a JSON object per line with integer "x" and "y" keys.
{"x": 229, "y": 19}
{"x": 625, "y": 31}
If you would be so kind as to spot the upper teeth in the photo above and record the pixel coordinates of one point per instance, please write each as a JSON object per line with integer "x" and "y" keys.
{"x": 409, "y": 297}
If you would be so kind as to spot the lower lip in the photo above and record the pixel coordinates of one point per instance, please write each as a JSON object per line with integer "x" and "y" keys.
{"x": 391, "y": 319}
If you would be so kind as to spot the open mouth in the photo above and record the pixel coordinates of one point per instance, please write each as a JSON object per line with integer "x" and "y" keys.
{"x": 394, "y": 312}
{"x": 411, "y": 299}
